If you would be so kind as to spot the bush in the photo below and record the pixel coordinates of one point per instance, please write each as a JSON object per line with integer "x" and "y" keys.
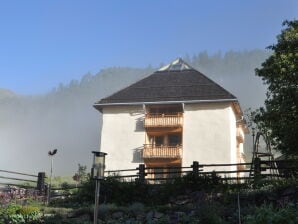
{"x": 210, "y": 213}
{"x": 16, "y": 214}
{"x": 269, "y": 214}
{"x": 30, "y": 213}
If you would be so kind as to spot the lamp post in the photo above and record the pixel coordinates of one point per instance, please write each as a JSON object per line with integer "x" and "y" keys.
{"x": 253, "y": 135}
{"x": 51, "y": 155}
{"x": 97, "y": 174}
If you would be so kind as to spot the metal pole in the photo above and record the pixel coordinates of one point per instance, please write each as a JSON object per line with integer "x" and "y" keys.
{"x": 95, "y": 204}
{"x": 239, "y": 212}
{"x": 50, "y": 185}
{"x": 253, "y": 141}
{"x": 97, "y": 192}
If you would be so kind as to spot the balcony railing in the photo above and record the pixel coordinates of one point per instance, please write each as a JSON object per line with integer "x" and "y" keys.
{"x": 162, "y": 151}
{"x": 164, "y": 120}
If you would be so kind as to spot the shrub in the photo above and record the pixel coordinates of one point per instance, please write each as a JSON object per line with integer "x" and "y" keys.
{"x": 210, "y": 213}
{"x": 30, "y": 213}
{"x": 16, "y": 214}
{"x": 269, "y": 214}
{"x": 136, "y": 208}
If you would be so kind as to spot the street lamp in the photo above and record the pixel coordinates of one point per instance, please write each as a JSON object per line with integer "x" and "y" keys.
{"x": 253, "y": 134}
{"x": 97, "y": 174}
{"x": 51, "y": 155}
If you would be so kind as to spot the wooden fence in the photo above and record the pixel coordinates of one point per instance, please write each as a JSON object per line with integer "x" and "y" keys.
{"x": 230, "y": 173}
{"x": 23, "y": 185}
{"x": 19, "y": 186}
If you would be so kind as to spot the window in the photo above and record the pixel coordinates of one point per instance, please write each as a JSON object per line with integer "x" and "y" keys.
{"x": 156, "y": 140}
{"x": 159, "y": 140}
{"x": 171, "y": 140}
{"x": 174, "y": 139}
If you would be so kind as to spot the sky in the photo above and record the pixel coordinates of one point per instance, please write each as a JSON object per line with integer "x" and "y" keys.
{"x": 44, "y": 43}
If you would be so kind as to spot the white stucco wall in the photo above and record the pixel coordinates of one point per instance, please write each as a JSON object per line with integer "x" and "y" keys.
{"x": 233, "y": 136}
{"x": 209, "y": 134}
{"x": 122, "y": 136}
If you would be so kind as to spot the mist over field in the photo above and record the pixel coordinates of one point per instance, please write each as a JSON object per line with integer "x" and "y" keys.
{"x": 64, "y": 118}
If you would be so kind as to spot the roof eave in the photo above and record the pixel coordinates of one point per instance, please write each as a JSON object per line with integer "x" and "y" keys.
{"x": 99, "y": 106}
{"x": 240, "y": 120}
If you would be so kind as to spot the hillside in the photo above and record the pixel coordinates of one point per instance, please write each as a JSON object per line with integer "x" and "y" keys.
{"x": 6, "y": 94}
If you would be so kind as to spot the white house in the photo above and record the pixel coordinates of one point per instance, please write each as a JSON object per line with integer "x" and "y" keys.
{"x": 169, "y": 119}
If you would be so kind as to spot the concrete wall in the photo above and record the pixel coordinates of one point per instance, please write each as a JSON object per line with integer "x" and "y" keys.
{"x": 209, "y": 134}
{"x": 122, "y": 136}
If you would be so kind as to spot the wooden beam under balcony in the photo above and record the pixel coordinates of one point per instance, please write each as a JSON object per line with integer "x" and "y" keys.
{"x": 163, "y": 120}
{"x": 162, "y": 151}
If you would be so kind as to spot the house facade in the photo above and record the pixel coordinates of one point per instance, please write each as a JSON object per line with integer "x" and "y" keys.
{"x": 169, "y": 119}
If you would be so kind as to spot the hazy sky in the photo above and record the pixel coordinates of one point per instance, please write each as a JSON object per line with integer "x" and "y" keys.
{"x": 44, "y": 43}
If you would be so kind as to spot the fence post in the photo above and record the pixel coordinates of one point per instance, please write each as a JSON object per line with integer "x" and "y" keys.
{"x": 142, "y": 173}
{"x": 40, "y": 182}
{"x": 257, "y": 169}
{"x": 214, "y": 178}
{"x": 195, "y": 168}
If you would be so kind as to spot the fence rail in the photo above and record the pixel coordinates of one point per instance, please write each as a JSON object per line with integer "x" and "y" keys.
{"x": 18, "y": 187}
{"x": 254, "y": 171}
{"x": 13, "y": 178}
{"x": 23, "y": 174}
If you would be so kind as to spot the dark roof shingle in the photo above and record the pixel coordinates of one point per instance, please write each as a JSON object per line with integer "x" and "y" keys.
{"x": 170, "y": 85}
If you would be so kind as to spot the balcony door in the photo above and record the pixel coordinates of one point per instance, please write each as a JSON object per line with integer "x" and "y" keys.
{"x": 166, "y": 140}
{"x": 174, "y": 139}
{"x": 157, "y": 140}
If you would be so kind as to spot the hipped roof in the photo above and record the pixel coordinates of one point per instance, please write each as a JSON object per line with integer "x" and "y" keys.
{"x": 176, "y": 82}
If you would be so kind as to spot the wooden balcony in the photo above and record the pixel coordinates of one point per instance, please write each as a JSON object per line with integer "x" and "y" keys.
{"x": 240, "y": 134}
{"x": 163, "y": 120}
{"x": 162, "y": 152}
